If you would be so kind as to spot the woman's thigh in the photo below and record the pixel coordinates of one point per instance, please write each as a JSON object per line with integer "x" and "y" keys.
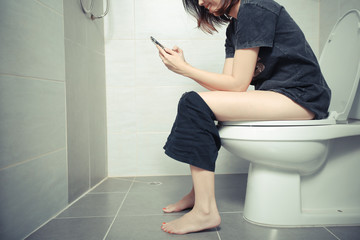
{"x": 254, "y": 105}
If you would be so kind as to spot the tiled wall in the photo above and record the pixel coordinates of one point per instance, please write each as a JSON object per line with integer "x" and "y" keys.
{"x": 85, "y": 97}
{"x": 52, "y": 110}
{"x": 330, "y": 12}
{"x": 33, "y": 168}
{"x": 142, "y": 94}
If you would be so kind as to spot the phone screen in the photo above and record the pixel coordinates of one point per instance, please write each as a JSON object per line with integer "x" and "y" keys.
{"x": 156, "y": 42}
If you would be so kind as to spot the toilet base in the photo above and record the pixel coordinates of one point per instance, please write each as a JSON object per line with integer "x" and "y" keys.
{"x": 329, "y": 197}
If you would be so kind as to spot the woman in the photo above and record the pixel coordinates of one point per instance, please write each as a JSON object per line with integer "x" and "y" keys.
{"x": 264, "y": 47}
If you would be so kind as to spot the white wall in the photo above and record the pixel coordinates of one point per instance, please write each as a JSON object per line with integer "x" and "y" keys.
{"x": 142, "y": 94}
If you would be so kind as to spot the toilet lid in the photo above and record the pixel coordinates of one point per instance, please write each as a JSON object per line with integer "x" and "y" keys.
{"x": 340, "y": 63}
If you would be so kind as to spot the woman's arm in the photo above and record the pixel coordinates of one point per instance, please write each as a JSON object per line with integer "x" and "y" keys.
{"x": 237, "y": 74}
{"x": 228, "y": 65}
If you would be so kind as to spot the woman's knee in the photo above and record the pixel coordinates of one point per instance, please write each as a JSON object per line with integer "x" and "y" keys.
{"x": 190, "y": 98}
{"x": 193, "y": 104}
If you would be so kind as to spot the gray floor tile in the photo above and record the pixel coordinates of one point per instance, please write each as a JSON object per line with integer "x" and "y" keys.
{"x": 346, "y": 233}
{"x": 101, "y": 205}
{"x": 148, "y": 202}
{"x": 224, "y": 181}
{"x": 233, "y": 226}
{"x": 73, "y": 229}
{"x": 114, "y": 185}
{"x": 149, "y": 228}
{"x": 230, "y": 190}
{"x": 230, "y": 199}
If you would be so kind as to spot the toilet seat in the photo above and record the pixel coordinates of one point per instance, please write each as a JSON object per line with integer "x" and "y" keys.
{"x": 327, "y": 121}
{"x": 290, "y": 133}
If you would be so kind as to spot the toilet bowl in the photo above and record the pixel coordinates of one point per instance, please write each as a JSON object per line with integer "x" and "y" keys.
{"x": 306, "y": 173}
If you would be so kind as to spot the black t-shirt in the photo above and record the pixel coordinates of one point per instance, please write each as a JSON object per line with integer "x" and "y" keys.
{"x": 286, "y": 62}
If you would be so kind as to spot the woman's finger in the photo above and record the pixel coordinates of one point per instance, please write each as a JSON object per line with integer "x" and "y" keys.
{"x": 169, "y": 51}
{"x": 160, "y": 49}
{"x": 177, "y": 49}
{"x": 162, "y": 57}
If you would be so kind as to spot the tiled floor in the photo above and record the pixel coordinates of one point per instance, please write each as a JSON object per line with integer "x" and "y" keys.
{"x": 131, "y": 209}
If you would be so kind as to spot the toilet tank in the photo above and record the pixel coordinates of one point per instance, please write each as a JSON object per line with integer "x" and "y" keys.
{"x": 340, "y": 65}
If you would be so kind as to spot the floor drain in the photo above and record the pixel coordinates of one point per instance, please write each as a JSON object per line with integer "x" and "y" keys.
{"x": 155, "y": 183}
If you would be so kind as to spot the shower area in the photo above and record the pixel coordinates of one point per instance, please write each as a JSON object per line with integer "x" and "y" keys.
{"x": 52, "y": 109}
{"x": 84, "y": 95}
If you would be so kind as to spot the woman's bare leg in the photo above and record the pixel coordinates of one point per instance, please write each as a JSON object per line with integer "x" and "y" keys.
{"x": 254, "y": 105}
{"x": 204, "y": 214}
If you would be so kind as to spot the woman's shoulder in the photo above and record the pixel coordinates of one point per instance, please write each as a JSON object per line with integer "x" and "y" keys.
{"x": 269, "y": 5}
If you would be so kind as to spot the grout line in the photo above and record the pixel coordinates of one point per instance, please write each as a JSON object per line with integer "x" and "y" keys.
{"x": 66, "y": 135}
{"x": 126, "y": 179}
{"x": 133, "y": 180}
{"x": 160, "y": 214}
{"x": 117, "y": 212}
{"x": 232, "y": 212}
{"x": 82, "y": 217}
{"x": 33, "y": 158}
{"x": 50, "y": 8}
{"x": 217, "y": 232}
{"x": 137, "y": 162}
{"x": 154, "y": 214}
{"x": 99, "y": 193}
{"x": 332, "y": 233}
{"x": 32, "y": 77}
{"x": 89, "y": 117}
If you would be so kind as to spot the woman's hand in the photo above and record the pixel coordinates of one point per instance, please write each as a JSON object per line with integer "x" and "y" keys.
{"x": 173, "y": 59}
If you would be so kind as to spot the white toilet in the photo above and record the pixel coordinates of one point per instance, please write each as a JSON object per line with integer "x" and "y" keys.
{"x": 307, "y": 173}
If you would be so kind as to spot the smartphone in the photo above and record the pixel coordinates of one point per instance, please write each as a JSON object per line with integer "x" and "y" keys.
{"x": 157, "y": 43}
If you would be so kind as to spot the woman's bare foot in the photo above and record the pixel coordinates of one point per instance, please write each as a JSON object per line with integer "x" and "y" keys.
{"x": 185, "y": 203}
{"x": 193, "y": 221}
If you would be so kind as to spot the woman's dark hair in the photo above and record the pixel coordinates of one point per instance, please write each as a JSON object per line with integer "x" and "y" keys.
{"x": 207, "y": 21}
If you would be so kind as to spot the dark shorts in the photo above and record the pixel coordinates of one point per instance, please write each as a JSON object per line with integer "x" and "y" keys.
{"x": 314, "y": 98}
{"x": 194, "y": 137}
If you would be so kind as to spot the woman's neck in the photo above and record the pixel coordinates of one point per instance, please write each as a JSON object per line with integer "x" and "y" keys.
{"x": 234, "y": 10}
